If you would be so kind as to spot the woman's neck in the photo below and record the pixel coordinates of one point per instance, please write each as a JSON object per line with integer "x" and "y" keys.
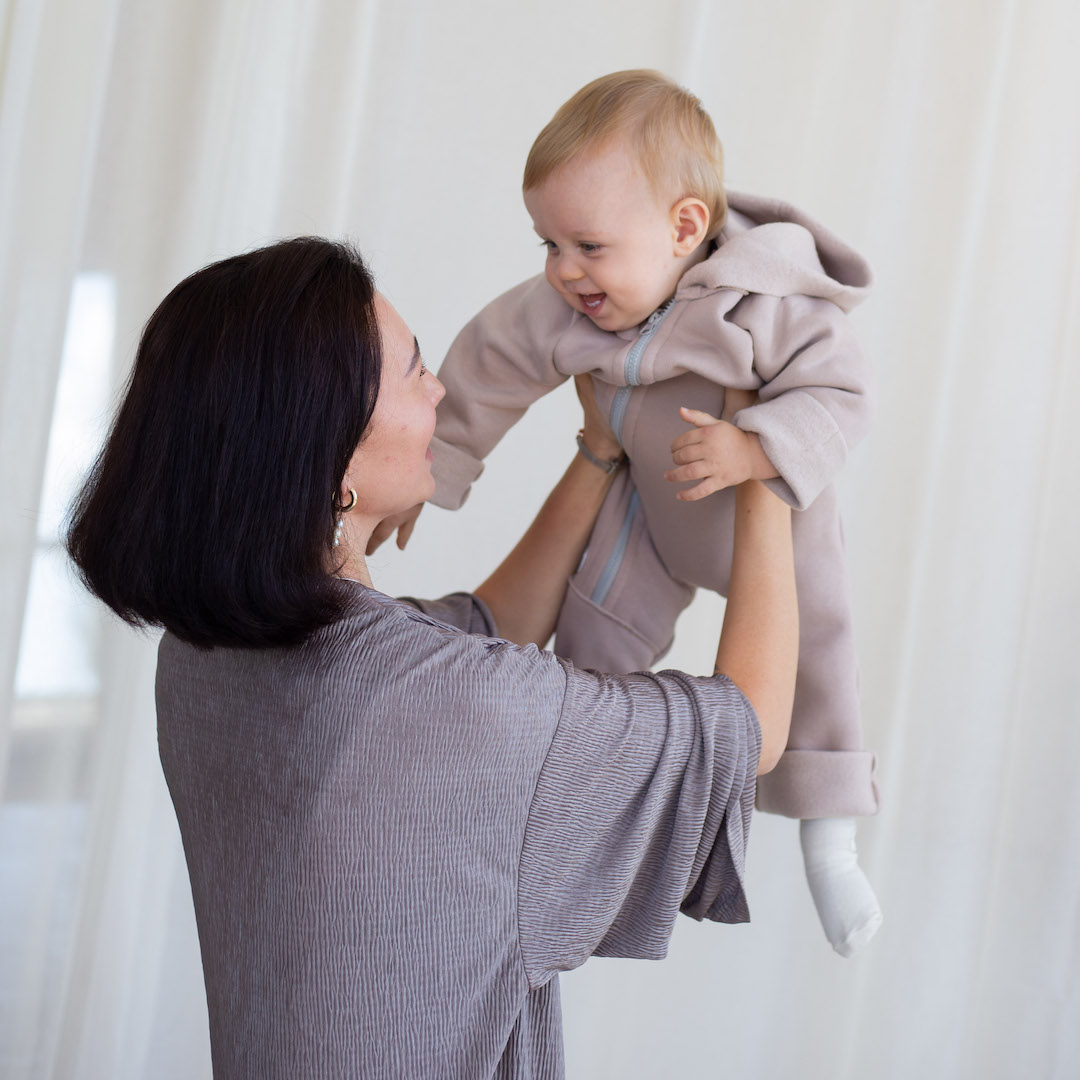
{"x": 355, "y": 568}
{"x": 351, "y": 549}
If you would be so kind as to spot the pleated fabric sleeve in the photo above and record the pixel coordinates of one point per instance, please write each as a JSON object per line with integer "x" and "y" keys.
{"x": 642, "y": 809}
{"x": 462, "y": 610}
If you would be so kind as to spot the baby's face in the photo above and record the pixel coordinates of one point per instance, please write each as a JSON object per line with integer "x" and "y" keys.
{"x": 610, "y": 241}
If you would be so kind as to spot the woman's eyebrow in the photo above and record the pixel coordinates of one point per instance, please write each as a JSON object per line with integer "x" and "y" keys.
{"x": 415, "y": 356}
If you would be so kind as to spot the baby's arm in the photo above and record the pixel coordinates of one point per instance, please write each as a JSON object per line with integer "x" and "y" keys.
{"x": 716, "y": 453}
{"x": 815, "y": 390}
{"x": 497, "y": 366}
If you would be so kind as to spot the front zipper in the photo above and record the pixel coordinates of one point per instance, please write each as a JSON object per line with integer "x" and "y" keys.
{"x": 607, "y": 577}
{"x": 617, "y": 416}
{"x": 632, "y": 368}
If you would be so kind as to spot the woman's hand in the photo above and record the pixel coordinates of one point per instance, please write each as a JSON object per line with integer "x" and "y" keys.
{"x": 598, "y": 436}
{"x": 526, "y": 592}
{"x": 735, "y": 401}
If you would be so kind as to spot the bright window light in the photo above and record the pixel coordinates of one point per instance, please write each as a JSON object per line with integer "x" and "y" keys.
{"x": 58, "y": 650}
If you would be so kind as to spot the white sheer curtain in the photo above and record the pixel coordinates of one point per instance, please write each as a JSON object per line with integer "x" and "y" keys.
{"x": 139, "y": 141}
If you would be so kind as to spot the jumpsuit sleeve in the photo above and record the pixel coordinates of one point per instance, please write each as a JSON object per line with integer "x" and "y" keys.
{"x": 500, "y": 363}
{"x": 641, "y": 810}
{"x": 815, "y": 393}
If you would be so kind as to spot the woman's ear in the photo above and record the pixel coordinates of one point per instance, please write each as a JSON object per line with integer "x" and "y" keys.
{"x": 690, "y": 223}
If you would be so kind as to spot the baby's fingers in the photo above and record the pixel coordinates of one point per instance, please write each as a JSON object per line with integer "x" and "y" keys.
{"x": 687, "y": 438}
{"x": 380, "y": 533}
{"x": 697, "y": 417}
{"x": 404, "y": 532}
{"x": 694, "y": 471}
{"x": 685, "y": 454}
{"x": 699, "y": 491}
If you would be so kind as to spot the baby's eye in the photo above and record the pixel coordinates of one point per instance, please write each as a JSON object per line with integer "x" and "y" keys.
{"x": 550, "y": 246}
{"x": 589, "y": 249}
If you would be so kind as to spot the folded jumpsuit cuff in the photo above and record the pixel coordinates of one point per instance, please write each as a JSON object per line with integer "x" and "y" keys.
{"x": 803, "y": 442}
{"x": 820, "y": 784}
{"x": 454, "y": 472}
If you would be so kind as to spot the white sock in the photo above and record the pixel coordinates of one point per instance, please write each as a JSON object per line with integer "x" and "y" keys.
{"x": 845, "y": 902}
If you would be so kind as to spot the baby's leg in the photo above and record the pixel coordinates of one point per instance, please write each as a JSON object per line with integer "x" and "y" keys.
{"x": 845, "y": 902}
{"x": 825, "y": 777}
{"x": 621, "y": 605}
{"x": 825, "y": 772}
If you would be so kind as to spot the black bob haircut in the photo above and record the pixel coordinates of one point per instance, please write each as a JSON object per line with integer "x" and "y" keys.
{"x": 210, "y": 510}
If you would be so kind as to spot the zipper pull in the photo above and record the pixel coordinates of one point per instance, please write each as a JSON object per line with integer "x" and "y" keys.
{"x": 655, "y": 317}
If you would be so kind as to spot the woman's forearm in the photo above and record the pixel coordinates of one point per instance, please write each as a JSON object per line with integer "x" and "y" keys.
{"x": 526, "y": 592}
{"x": 759, "y": 642}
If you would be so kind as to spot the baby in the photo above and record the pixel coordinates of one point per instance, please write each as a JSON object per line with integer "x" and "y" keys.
{"x": 667, "y": 290}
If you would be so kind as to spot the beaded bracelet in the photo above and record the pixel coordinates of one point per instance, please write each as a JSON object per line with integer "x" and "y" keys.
{"x": 599, "y": 462}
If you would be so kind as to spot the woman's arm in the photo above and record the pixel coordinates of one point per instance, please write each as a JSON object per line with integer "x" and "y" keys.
{"x": 526, "y": 592}
{"x": 759, "y": 642}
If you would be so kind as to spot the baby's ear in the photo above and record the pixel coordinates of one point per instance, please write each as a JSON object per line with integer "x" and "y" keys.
{"x": 690, "y": 223}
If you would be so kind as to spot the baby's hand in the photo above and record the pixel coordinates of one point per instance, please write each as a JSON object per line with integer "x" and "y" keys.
{"x": 403, "y": 522}
{"x": 713, "y": 451}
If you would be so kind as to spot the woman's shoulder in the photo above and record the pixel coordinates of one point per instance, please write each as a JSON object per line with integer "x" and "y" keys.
{"x": 397, "y": 645}
{"x": 459, "y": 610}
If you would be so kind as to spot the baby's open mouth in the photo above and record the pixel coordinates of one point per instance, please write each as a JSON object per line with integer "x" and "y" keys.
{"x": 592, "y": 301}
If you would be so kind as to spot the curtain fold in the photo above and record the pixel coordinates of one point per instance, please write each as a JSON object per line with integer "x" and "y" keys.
{"x": 140, "y": 141}
{"x": 49, "y": 146}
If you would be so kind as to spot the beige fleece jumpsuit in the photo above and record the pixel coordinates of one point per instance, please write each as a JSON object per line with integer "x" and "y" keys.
{"x": 765, "y": 312}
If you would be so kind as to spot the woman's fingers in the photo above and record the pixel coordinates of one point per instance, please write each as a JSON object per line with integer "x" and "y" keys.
{"x": 599, "y": 437}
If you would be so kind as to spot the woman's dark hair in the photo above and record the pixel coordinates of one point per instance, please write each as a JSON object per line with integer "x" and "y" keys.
{"x": 210, "y": 510}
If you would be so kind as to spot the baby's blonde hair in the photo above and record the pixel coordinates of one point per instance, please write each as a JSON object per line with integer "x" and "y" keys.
{"x": 665, "y": 126}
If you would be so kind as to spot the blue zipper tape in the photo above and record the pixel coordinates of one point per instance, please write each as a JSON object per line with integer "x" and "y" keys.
{"x": 611, "y": 568}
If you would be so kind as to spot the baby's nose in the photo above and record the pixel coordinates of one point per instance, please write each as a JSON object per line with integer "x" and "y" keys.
{"x": 570, "y": 271}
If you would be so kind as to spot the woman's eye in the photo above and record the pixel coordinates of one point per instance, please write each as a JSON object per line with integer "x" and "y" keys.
{"x": 423, "y": 369}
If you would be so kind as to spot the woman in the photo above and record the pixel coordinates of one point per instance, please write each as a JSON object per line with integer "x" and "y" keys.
{"x": 398, "y": 825}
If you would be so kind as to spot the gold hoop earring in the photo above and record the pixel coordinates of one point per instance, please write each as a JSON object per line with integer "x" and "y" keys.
{"x": 341, "y": 520}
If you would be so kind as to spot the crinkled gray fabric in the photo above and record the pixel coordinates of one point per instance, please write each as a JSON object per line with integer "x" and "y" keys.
{"x": 399, "y": 832}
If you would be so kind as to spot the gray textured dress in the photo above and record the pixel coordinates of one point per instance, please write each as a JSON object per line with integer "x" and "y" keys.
{"x": 399, "y": 833}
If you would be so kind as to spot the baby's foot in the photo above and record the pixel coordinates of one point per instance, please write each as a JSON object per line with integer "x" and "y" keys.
{"x": 845, "y": 902}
